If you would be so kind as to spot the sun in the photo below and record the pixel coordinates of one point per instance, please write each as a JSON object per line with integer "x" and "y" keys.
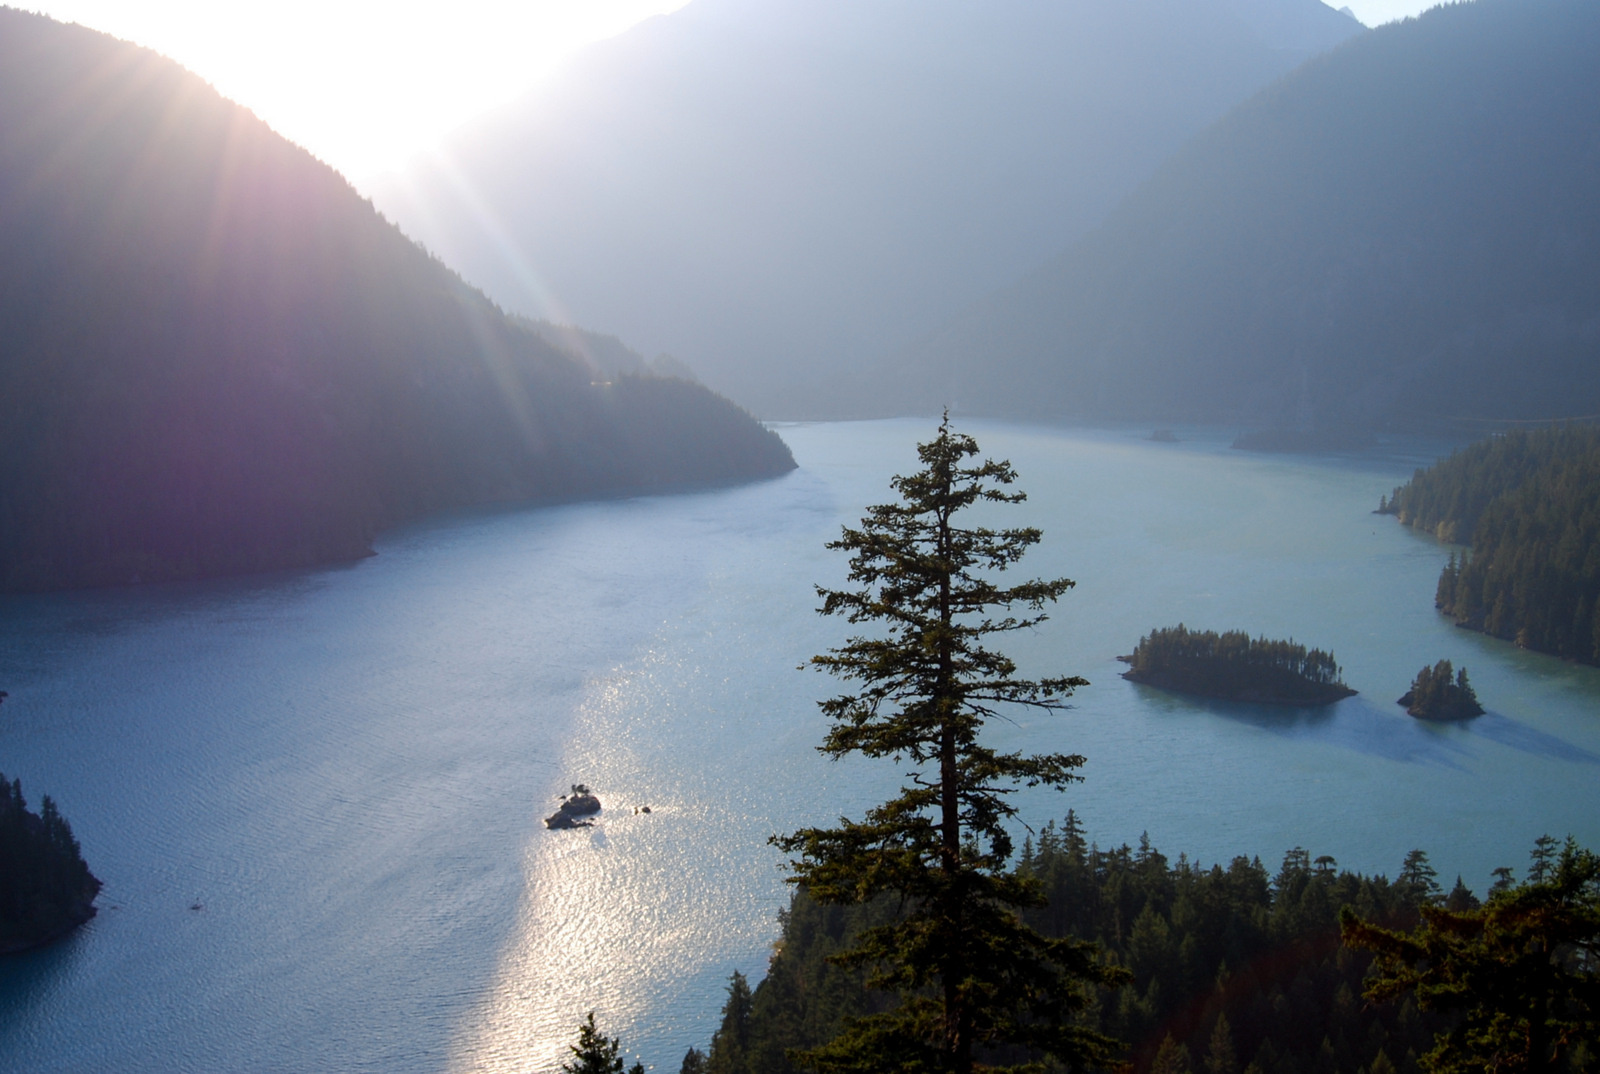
{"x": 362, "y": 84}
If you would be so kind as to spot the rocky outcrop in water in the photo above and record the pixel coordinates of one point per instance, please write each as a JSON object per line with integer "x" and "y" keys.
{"x": 575, "y": 808}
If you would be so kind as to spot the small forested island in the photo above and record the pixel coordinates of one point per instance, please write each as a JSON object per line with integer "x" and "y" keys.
{"x": 1235, "y": 667}
{"x": 1441, "y": 693}
{"x": 1528, "y": 504}
{"x": 46, "y": 889}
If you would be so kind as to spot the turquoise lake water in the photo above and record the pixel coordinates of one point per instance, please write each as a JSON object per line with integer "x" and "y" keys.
{"x": 347, "y": 769}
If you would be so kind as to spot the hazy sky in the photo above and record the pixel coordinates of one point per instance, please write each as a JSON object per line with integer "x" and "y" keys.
{"x": 361, "y": 83}
{"x": 1377, "y": 12}
{"x": 364, "y": 84}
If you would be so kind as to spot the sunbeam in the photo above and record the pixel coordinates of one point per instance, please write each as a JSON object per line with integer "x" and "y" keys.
{"x": 364, "y": 85}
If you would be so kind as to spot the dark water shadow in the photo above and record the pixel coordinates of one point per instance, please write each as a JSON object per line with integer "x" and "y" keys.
{"x": 1356, "y": 724}
{"x": 1385, "y": 731}
{"x": 28, "y": 976}
{"x": 1519, "y": 736}
{"x": 71, "y": 615}
{"x": 1363, "y": 726}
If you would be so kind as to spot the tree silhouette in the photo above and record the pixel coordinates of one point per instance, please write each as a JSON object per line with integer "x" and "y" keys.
{"x": 1520, "y": 973}
{"x": 731, "y": 1043}
{"x": 46, "y": 888}
{"x": 595, "y": 1053}
{"x": 971, "y": 977}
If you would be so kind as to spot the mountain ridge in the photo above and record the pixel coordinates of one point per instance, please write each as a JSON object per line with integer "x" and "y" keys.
{"x": 1402, "y": 233}
{"x": 215, "y": 357}
{"x": 778, "y": 192}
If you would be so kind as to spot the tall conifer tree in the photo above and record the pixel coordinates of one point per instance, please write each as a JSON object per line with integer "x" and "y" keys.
{"x": 974, "y": 982}
{"x": 730, "y": 1045}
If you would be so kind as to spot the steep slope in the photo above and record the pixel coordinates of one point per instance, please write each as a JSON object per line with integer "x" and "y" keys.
{"x": 1405, "y": 232}
{"x": 216, "y": 357}
{"x": 606, "y": 355}
{"x": 777, "y": 190}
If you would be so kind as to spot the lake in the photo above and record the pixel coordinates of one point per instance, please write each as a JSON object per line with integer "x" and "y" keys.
{"x": 346, "y": 770}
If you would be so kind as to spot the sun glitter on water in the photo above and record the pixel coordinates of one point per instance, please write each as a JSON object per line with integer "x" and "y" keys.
{"x": 613, "y": 915}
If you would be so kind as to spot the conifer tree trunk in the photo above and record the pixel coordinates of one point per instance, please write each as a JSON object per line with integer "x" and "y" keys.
{"x": 970, "y": 974}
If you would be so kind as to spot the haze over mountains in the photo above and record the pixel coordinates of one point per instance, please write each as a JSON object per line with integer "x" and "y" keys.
{"x": 780, "y": 192}
{"x": 1404, "y": 233}
{"x": 216, "y": 357}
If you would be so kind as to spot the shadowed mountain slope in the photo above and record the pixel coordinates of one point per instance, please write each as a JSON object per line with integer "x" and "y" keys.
{"x": 1404, "y": 232}
{"x": 215, "y": 357}
{"x": 776, "y": 191}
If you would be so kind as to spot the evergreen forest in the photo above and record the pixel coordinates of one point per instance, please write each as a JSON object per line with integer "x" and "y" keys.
{"x": 46, "y": 889}
{"x": 1527, "y": 503}
{"x": 893, "y": 957}
{"x": 1235, "y": 969}
{"x": 1234, "y": 666}
{"x": 216, "y": 357}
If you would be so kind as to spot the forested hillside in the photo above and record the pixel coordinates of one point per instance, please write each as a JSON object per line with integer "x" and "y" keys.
{"x": 1404, "y": 232}
{"x": 1528, "y": 504}
{"x": 781, "y": 192}
{"x": 46, "y": 888}
{"x": 1234, "y": 968}
{"x": 605, "y": 354}
{"x": 215, "y": 357}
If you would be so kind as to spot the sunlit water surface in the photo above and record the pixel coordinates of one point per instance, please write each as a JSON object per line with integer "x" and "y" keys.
{"x": 346, "y": 770}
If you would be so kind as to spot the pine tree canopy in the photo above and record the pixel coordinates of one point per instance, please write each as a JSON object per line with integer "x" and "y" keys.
{"x": 731, "y": 1042}
{"x": 1521, "y": 973}
{"x": 976, "y": 985}
{"x": 595, "y": 1053}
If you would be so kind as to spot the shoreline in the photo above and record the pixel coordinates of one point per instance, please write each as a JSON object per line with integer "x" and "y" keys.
{"x": 1323, "y": 695}
{"x": 81, "y": 916}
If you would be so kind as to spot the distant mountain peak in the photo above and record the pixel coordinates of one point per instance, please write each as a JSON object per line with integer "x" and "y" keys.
{"x": 1403, "y": 233}
{"x": 781, "y": 191}
{"x": 1305, "y": 27}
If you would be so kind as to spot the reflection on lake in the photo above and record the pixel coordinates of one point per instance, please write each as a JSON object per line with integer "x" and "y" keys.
{"x": 349, "y": 768}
